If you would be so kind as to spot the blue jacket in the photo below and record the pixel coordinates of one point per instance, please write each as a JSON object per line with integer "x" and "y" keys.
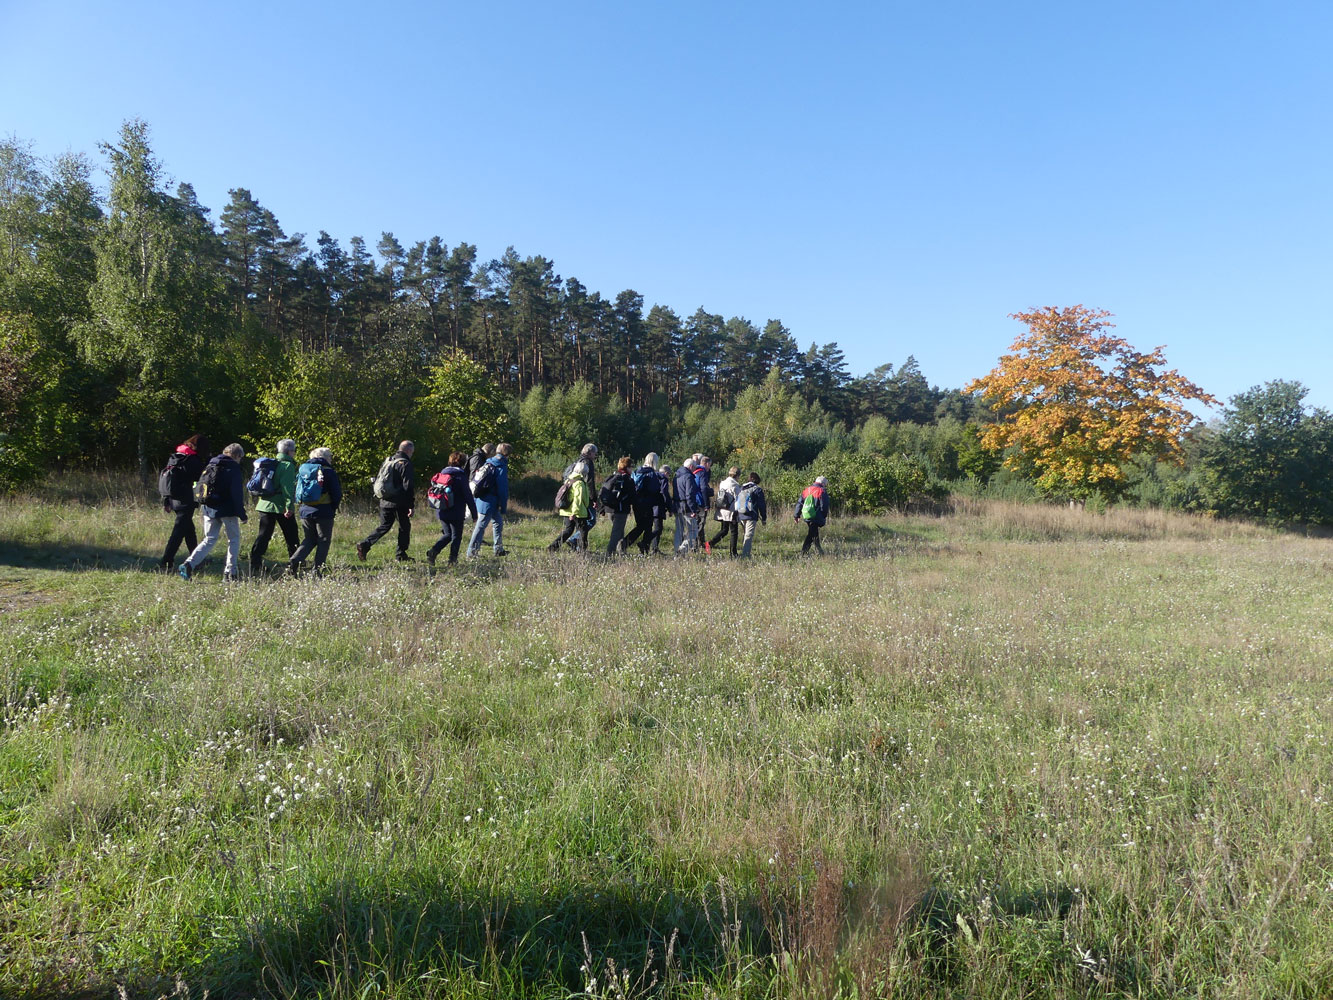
{"x": 462, "y": 497}
{"x": 231, "y": 503}
{"x": 500, "y": 498}
{"x": 686, "y": 492}
{"x": 333, "y": 489}
{"x": 822, "y": 517}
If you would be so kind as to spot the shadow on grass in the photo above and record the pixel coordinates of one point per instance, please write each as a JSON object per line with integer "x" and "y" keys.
{"x": 77, "y": 557}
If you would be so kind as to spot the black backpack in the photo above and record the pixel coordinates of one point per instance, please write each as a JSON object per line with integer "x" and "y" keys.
{"x": 484, "y": 480}
{"x": 173, "y": 482}
{"x": 616, "y": 494}
{"x": 214, "y": 485}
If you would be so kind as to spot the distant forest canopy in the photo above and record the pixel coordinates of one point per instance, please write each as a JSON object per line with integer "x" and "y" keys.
{"x": 140, "y": 294}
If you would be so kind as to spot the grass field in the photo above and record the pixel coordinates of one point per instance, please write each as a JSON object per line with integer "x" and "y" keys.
{"x": 1009, "y": 752}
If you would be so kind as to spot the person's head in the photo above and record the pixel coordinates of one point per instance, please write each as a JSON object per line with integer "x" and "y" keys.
{"x": 754, "y": 478}
{"x": 456, "y": 458}
{"x": 690, "y": 464}
{"x": 650, "y": 460}
{"x": 407, "y": 447}
{"x": 287, "y": 447}
{"x": 198, "y": 442}
{"x": 707, "y": 462}
{"x": 821, "y": 481}
{"x": 624, "y": 463}
{"x": 487, "y": 449}
{"x": 666, "y": 470}
{"x": 589, "y": 452}
{"x": 504, "y": 448}
{"x": 322, "y": 454}
{"x": 734, "y": 471}
{"x": 234, "y": 451}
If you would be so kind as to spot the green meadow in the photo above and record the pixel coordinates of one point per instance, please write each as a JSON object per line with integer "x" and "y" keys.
{"x": 1007, "y": 751}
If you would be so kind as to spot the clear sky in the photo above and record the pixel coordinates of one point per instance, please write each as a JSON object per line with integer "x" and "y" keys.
{"x": 894, "y": 176}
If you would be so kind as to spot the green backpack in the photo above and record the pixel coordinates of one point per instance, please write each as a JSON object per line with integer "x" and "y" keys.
{"x": 810, "y": 503}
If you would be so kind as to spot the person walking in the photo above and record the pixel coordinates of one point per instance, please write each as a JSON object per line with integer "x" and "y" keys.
{"x": 455, "y": 500}
{"x": 223, "y": 503}
{"x": 703, "y": 478}
{"x": 577, "y": 506}
{"x": 276, "y": 509}
{"x": 666, "y": 477}
{"x": 617, "y": 500}
{"x": 812, "y": 508}
{"x": 490, "y": 489}
{"x": 751, "y": 508}
{"x": 319, "y": 493}
{"x": 175, "y": 485}
{"x": 725, "y": 514}
{"x": 647, "y": 505}
{"x": 688, "y": 503}
{"x": 395, "y": 490}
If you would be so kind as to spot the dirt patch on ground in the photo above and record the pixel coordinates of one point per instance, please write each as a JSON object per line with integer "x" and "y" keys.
{"x": 18, "y": 598}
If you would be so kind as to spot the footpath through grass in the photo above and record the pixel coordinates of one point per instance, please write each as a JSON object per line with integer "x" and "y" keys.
{"x": 1010, "y": 752}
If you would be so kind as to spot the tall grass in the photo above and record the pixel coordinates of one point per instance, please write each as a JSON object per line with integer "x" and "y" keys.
{"x": 1008, "y": 751}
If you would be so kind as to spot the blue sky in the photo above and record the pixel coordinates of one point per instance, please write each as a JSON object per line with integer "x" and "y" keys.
{"x": 896, "y": 177}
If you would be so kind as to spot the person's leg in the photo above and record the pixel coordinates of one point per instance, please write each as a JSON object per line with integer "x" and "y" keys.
{"x": 749, "y": 537}
{"x": 232, "y": 568}
{"x": 722, "y": 528}
{"x": 404, "y": 536}
{"x": 809, "y": 536}
{"x": 182, "y": 530}
{"x": 323, "y": 536}
{"x": 387, "y": 515}
{"x": 455, "y": 539}
{"x": 497, "y": 526}
{"x": 289, "y": 534}
{"x": 212, "y": 528}
{"x": 635, "y": 533}
{"x": 440, "y": 543}
{"x": 617, "y": 532}
{"x": 478, "y": 534}
{"x": 680, "y": 530}
{"x": 267, "y": 521}
{"x": 308, "y": 543}
{"x": 818, "y": 547}
{"x": 655, "y": 543}
{"x": 571, "y": 525}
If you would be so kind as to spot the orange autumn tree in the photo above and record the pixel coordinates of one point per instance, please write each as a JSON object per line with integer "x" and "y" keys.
{"x": 1076, "y": 403}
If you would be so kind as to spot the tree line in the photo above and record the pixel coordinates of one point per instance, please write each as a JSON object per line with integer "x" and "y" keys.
{"x": 129, "y": 318}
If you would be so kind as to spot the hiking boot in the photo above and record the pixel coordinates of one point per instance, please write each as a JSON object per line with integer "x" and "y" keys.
{"x": 404, "y": 557}
{"x": 430, "y": 559}
{"x": 361, "y": 549}
{"x": 184, "y": 571}
{"x": 502, "y": 552}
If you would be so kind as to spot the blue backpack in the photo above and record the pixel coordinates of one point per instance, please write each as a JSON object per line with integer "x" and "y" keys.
{"x": 743, "y": 499}
{"x": 309, "y": 489}
{"x": 264, "y": 483}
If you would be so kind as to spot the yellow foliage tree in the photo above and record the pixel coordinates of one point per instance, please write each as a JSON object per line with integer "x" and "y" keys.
{"x": 1076, "y": 402}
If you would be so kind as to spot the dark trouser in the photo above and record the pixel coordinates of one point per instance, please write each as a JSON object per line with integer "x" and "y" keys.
{"x": 617, "y": 532}
{"x": 388, "y": 513}
{"x": 318, "y": 535}
{"x": 571, "y": 526}
{"x": 182, "y": 531}
{"x": 811, "y": 538}
{"x": 643, "y": 530}
{"x": 725, "y": 528}
{"x": 267, "y": 522}
{"x": 451, "y": 534}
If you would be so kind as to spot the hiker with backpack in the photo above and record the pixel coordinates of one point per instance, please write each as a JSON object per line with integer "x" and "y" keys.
{"x": 725, "y": 513}
{"x": 667, "y": 478}
{"x": 450, "y": 498}
{"x": 222, "y": 497}
{"x": 648, "y": 505}
{"x": 477, "y": 458}
{"x": 273, "y": 486}
{"x": 574, "y": 501}
{"x": 751, "y": 508}
{"x": 688, "y": 503}
{"x": 490, "y": 489}
{"x": 393, "y": 486}
{"x": 319, "y": 493}
{"x": 617, "y": 500}
{"x": 812, "y": 508}
{"x": 175, "y": 485}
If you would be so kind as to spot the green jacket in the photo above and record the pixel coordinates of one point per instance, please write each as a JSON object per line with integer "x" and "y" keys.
{"x": 578, "y": 499}
{"x": 286, "y": 499}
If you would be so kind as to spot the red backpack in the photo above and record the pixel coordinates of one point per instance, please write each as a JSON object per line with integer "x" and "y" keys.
{"x": 441, "y": 495}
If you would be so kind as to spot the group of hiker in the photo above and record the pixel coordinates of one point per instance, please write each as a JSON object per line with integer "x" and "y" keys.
{"x": 288, "y": 493}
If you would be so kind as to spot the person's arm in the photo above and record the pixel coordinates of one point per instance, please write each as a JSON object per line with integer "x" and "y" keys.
{"x": 238, "y": 493}
{"x": 335, "y": 488}
{"x": 287, "y": 483}
{"x": 502, "y": 488}
{"x": 470, "y": 501}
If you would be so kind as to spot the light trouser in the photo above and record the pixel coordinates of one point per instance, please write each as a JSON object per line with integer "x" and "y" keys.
{"x": 212, "y": 529}
{"x": 748, "y": 527}
{"x": 687, "y": 529}
{"x": 492, "y": 517}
